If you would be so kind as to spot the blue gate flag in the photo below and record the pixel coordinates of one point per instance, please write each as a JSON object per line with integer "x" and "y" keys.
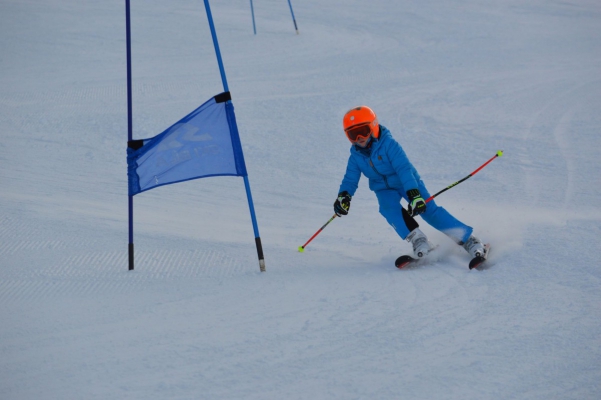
{"x": 204, "y": 143}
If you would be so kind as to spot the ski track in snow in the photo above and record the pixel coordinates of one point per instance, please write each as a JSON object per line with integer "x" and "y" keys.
{"x": 72, "y": 267}
{"x": 555, "y": 121}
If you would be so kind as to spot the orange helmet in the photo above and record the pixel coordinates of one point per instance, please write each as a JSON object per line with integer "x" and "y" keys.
{"x": 360, "y": 122}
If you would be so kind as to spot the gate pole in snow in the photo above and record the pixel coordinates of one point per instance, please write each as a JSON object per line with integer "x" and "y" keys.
{"x": 252, "y": 12}
{"x": 246, "y": 182}
{"x": 293, "y": 19}
{"x": 129, "y": 131}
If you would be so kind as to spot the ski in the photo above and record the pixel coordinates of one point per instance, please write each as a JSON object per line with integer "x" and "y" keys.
{"x": 407, "y": 260}
{"x": 478, "y": 261}
{"x": 404, "y": 261}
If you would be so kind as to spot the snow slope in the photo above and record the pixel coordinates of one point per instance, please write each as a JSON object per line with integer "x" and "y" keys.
{"x": 454, "y": 81}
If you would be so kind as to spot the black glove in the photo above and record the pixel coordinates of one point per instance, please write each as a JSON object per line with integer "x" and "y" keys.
{"x": 342, "y": 203}
{"x": 417, "y": 204}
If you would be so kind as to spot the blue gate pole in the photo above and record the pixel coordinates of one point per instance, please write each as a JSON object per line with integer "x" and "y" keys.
{"x": 293, "y": 19}
{"x": 246, "y": 182}
{"x": 129, "y": 132}
{"x": 252, "y": 12}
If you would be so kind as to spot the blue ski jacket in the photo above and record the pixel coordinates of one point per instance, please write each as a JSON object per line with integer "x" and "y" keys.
{"x": 385, "y": 164}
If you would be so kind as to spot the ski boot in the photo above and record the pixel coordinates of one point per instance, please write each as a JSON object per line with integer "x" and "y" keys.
{"x": 421, "y": 244}
{"x": 477, "y": 250}
{"x": 474, "y": 247}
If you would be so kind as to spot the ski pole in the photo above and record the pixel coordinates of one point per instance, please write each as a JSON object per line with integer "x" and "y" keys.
{"x": 499, "y": 154}
{"x": 302, "y": 248}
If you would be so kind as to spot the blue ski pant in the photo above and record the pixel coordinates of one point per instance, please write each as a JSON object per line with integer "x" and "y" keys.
{"x": 436, "y": 216}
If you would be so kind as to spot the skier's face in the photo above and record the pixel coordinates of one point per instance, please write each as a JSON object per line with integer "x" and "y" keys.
{"x": 359, "y": 133}
{"x": 362, "y": 141}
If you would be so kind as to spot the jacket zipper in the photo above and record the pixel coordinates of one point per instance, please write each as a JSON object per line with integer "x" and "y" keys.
{"x": 378, "y": 172}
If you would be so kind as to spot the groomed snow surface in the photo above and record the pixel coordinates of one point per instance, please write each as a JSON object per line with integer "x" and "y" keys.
{"x": 454, "y": 81}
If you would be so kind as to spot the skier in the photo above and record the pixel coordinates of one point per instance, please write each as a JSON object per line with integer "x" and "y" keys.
{"x": 378, "y": 156}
